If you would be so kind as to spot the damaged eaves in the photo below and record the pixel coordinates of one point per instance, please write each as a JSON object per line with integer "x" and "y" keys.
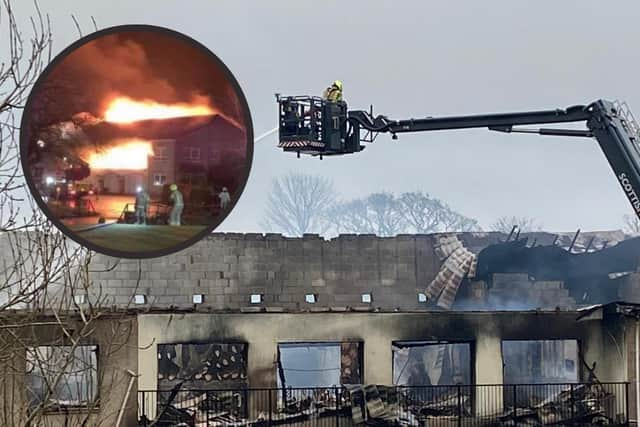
{"x": 404, "y": 273}
{"x": 597, "y": 311}
{"x": 587, "y": 275}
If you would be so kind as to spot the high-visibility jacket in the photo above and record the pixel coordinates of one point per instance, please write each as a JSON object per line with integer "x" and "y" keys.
{"x": 176, "y": 197}
{"x": 142, "y": 200}
{"x": 333, "y": 94}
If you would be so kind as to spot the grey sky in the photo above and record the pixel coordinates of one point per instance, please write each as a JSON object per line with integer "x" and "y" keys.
{"x": 413, "y": 59}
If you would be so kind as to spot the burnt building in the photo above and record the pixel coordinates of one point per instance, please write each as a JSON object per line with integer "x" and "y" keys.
{"x": 248, "y": 327}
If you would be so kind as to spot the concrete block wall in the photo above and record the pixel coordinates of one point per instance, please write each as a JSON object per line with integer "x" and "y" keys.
{"x": 629, "y": 289}
{"x": 518, "y": 292}
{"x": 227, "y": 268}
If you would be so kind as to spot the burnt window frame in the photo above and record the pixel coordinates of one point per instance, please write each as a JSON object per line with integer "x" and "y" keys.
{"x": 92, "y": 404}
{"x": 208, "y": 342}
{"x": 433, "y": 393}
{"x": 579, "y": 357}
{"x": 279, "y": 371}
{"x": 423, "y": 342}
{"x": 240, "y": 389}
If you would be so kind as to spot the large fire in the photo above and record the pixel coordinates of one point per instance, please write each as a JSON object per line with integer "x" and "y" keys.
{"x": 127, "y": 110}
{"x": 132, "y": 154}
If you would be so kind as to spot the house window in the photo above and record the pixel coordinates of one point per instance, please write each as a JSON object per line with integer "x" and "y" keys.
{"x": 417, "y": 364}
{"x": 160, "y": 152}
{"x": 540, "y": 361}
{"x": 159, "y": 179}
{"x": 305, "y": 368}
{"x": 319, "y": 364}
{"x": 203, "y": 366}
{"x": 421, "y": 363}
{"x": 76, "y": 369}
{"x": 549, "y": 363}
{"x": 193, "y": 153}
{"x": 309, "y": 365}
{"x": 214, "y": 154}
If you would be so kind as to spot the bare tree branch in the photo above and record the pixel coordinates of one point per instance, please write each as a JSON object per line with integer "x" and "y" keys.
{"x": 298, "y": 204}
{"x": 384, "y": 214}
{"x": 378, "y": 214}
{"x": 52, "y": 312}
{"x": 505, "y": 224}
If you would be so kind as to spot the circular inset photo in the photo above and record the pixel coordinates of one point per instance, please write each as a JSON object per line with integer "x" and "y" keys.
{"x": 136, "y": 141}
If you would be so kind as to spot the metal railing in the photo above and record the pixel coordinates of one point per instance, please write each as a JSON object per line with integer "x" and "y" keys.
{"x": 576, "y": 404}
{"x": 624, "y": 111}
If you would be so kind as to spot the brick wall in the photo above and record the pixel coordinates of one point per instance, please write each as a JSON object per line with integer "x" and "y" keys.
{"x": 518, "y": 291}
{"x": 228, "y": 268}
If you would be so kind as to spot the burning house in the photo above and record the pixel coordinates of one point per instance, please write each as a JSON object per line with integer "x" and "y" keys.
{"x": 119, "y": 169}
{"x": 134, "y": 108}
{"x": 140, "y": 144}
{"x": 194, "y": 151}
{"x": 205, "y": 156}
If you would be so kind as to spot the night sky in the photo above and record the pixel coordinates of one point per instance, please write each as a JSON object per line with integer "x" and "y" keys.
{"x": 138, "y": 64}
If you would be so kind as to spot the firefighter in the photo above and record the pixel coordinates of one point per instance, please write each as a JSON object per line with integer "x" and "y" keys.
{"x": 334, "y": 92}
{"x": 177, "y": 205}
{"x": 142, "y": 205}
{"x": 224, "y": 197}
{"x": 291, "y": 118}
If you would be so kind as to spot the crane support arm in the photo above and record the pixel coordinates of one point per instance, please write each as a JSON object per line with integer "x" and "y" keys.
{"x": 317, "y": 127}
{"x": 383, "y": 124}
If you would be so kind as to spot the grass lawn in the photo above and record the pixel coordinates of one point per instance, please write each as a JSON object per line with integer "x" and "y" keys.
{"x": 139, "y": 238}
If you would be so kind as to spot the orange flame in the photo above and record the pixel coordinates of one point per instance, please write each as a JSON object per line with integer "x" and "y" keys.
{"x": 127, "y": 110}
{"x": 129, "y": 155}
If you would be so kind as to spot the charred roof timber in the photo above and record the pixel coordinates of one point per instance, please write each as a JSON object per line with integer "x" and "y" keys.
{"x": 311, "y": 125}
{"x": 587, "y": 275}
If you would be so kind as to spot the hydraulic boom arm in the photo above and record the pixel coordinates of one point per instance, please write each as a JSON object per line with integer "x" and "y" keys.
{"x": 491, "y": 121}
{"x": 317, "y": 127}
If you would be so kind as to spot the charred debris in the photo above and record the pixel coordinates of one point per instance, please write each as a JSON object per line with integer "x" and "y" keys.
{"x": 584, "y": 268}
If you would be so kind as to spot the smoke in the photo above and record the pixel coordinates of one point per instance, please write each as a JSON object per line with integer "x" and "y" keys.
{"x": 137, "y": 66}
{"x": 111, "y": 66}
{"x": 539, "y": 271}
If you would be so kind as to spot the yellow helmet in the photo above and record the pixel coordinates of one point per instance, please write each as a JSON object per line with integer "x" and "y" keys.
{"x": 338, "y": 84}
{"x": 173, "y": 187}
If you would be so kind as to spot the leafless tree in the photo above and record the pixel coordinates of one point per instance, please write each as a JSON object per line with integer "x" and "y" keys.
{"x": 384, "y": 214}
{"x": 631, "y": 224}
{"x": 377, "y": 214}
{"x": 51, "y": 311}
{"x": 505, "y": 224}
{"x": 456, "y": 222}
{"x": 425, "y": 214}
{"x": 18, "y": 73}
{"x": 298, "y": 204}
